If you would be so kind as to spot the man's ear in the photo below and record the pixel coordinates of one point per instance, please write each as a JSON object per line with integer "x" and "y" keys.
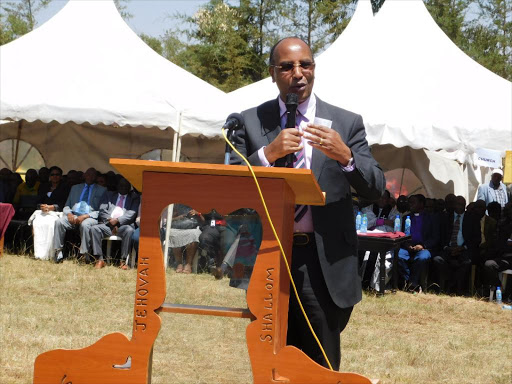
{"x": 271, "y": 70}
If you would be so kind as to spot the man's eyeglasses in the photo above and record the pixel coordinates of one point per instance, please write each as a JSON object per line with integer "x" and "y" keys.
{"x": 287, "y": 67}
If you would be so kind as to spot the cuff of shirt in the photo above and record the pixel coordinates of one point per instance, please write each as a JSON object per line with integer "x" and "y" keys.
{"x": 349, "y": 167}
{"x": 263, "y": 160}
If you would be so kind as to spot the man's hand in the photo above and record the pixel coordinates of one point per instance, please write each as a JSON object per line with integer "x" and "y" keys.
{"x": 81, "y": 218}
{"x": 329, "y": 142}
{"x": 71, "y": 218}
{"x": 288, "y": 141}
{"x": 417, "y": 248}
{"x": 113, "y": 222}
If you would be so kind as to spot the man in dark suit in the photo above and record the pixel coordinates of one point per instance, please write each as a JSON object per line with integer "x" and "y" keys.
{"x": 324, "y": 256}
{"x": 118, "y": 211}
{"x": 80, "y": 211}
{"x": 459, "y": 241}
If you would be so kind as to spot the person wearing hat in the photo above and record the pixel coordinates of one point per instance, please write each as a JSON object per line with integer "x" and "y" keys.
{"x": 495, "y": 190}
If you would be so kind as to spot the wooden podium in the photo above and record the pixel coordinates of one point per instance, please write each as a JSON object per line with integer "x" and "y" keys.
{"x": 117, "y": 359}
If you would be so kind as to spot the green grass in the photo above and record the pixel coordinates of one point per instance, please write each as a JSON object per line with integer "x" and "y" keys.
{"x": 399, "y": 338}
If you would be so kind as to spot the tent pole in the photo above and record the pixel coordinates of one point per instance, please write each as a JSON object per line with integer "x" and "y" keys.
{"x": 15, "y": 158}
{"x": 176, "y": 143}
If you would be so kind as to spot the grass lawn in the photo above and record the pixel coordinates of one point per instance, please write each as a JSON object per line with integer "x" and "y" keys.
{"x": 399, "y": 338}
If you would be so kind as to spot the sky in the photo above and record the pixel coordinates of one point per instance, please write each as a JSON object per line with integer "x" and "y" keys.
{"x": 151, "y": 17}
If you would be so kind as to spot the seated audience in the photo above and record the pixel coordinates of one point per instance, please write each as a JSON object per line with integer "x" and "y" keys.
{"x": 5, "y": 186}
{"x": 117, "y": 214}
{"x": 25, "y": 199}
{"x": 502, "y": 259}
{"x": 381, "y": 216}
{"x": 101, "y": 179}
{"x": 135, "y": 236}
{"x": 81, "y": 212}
{"x": 494, "y": 211}
{"x": 402, "y": 206}
{"x": 449, "y": 203}
{"x": 44, "y": 175}
{"x": 488, "y": 232}
{"x": 460, "y": 241}
{"x": 184, "y": 235}
{"x": 495, "y": 190}
{"x": 414, "y": 255}
{"x": 72, "y": 178}
{"x": 51, "y": 199}
{"x": 210, "y": 240}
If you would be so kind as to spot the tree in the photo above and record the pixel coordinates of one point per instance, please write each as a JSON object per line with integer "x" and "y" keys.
{"x": 123, "y": 9}
{"x": 450, "y": 15}
{"x": 259, "y": 20}
{"x": 318, "y": 22}
{"x": 153, "y": 42}
{"x": 219, "y": 52}
{"x": 490, "y": 37}
{"x": 486, "y": 38}
{"x": 19, "y": 18}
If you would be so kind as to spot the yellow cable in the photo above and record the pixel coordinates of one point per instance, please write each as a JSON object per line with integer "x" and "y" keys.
{"x": 280, "y": 247}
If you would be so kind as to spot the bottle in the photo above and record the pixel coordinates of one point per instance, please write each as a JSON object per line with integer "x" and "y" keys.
{"x": 398, "y": 224}
{"x": 509, "y": 307}
{"x": 408, "y": 226}
{"x": 498, "y": 295}
{"x": 358, "y": 221}
{"x": 364, "y": 224}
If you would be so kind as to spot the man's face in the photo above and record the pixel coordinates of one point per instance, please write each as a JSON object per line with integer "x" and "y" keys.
{"x": 297, "y": 80}
{"x": 496, "y": 178}
{"x": 31, "y": 177}
{"x": 460, "y": 205}
{"x": 90, "y": 176}
{"x": 479, "y": 208}
{"x": 123, "y": 187}
{"x": 416, "y": 205}
{"x": 402, "y": 204}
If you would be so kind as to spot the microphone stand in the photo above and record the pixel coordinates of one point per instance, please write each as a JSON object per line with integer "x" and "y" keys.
{"x": 227, "y": 152}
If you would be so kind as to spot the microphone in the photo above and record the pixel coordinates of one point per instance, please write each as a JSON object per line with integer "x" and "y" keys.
{"x": 292, "y": 102}
{"x": 234, "y": 121}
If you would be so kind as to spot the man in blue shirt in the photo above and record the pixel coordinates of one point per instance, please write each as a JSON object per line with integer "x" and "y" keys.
{"x": 495, "y": 190}
{"x": 80, "y": 212}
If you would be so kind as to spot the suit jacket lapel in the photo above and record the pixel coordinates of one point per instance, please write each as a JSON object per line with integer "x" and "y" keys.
{"x": 270, "y": 118}
{"x": 318, "y": 158}
{"x": 271, "y": 121}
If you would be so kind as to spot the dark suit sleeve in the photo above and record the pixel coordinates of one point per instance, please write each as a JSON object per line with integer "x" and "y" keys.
{"x": 367, "y": 178}
{"x": 432, "y": 233}
{"x": 240, "y": 141}
{"x": 103, "y": 212}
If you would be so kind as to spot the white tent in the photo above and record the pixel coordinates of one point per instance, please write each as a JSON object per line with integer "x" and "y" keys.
{"x": 85, "y": 67}
{"x": 415, "y": 89}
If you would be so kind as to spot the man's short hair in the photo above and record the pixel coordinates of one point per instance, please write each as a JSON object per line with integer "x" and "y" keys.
{"x": 421, "y": 198}
{"x": 271, "y": 57}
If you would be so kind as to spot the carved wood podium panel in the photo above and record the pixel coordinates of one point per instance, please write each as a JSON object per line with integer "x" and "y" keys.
{"x": 116, "y": 359}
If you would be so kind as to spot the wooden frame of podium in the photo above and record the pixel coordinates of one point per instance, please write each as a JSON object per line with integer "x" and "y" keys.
{"x": 117, "y": 359}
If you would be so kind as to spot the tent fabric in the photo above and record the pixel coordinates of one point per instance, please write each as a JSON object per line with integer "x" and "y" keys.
{"x": 411, "y": 84}
{"x": 87, "y": 65}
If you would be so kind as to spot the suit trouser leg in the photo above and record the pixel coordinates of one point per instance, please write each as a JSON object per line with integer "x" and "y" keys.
{"x": 125, "y": 232}
{"x": 61, "y": 226}
{"x": 98, "y": 232}
{"x": 327, "y": 319}
{"x": 85, "y": 234}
